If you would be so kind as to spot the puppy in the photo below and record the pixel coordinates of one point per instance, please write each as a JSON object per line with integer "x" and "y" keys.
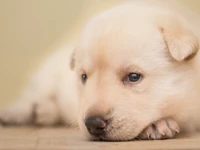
{"x": 133, "y": 74}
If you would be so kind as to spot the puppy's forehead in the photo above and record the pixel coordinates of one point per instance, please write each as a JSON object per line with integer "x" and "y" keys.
{"x": 116, "y": 42}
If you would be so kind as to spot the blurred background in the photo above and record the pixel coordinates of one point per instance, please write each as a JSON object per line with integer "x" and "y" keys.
{"x": 31, "y": 29}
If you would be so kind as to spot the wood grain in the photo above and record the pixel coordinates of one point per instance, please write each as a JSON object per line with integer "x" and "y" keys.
{"x": 61, "y": 138}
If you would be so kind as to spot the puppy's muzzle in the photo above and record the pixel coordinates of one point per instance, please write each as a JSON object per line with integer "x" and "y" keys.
{"x": 96, "y": 125}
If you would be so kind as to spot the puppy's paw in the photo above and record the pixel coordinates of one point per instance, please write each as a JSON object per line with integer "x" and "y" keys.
{"x": 46, "y": 113}
{"x": 16, "y": 114}
{"x": 162, "y": 129}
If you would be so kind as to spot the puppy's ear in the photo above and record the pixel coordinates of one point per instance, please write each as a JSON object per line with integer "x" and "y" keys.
{"x": 72, "y": 60}
{"x": 181, "y": 42}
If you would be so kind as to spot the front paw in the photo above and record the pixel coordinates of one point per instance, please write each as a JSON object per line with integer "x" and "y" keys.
{"x": 16, "y": 114}
{"x": 161, "y": 129}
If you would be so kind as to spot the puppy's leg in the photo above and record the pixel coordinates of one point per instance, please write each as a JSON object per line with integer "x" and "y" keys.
{"x": 20, "y": 112}
{"x": 47, "y": 112}
{"x": 33, "y": 104}
{"x": 162, "y": 129}
{"x": 32, "y": 108}
{"x": 42, "y": 102}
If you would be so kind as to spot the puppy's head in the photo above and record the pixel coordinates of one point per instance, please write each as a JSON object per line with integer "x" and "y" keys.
{"x": 131, "y": 68}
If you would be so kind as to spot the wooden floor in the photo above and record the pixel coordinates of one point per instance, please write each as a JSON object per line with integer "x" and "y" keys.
{"x": 61, "y": 138}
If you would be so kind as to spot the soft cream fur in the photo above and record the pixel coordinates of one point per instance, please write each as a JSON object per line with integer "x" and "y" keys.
{"x": 157, "y": 40}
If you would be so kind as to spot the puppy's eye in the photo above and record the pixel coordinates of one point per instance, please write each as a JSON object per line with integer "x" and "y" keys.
{"x": 84, "y": 78}
{"x": 134, "y": 77}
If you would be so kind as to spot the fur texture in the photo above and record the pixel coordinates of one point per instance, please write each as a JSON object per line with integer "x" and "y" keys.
{"x": 154, "y": 39}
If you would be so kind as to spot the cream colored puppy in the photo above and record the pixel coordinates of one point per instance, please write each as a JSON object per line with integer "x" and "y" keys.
{"x": 137, "y": 76}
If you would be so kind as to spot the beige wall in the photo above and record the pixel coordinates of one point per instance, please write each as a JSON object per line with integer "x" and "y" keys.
{"x": 30, "y": 29}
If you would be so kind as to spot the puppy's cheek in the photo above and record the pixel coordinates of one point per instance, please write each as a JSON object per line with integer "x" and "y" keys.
{"x": 128, "y": 125}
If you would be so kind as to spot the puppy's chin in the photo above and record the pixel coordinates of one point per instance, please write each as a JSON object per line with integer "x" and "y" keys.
{"x": 117, "y": 130}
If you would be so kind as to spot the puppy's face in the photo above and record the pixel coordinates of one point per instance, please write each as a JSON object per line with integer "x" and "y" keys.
{"x": 127, "y": 76}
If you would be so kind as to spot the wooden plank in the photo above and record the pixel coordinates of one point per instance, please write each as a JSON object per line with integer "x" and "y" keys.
{"x": 61, "y": 138}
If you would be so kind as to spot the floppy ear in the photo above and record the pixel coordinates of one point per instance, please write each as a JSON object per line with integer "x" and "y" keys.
{"x": 181, "y": 42}
{"x": 72, "y": 60}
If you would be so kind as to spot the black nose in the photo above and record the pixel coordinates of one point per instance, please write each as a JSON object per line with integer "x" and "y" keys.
{"x": 95, "y": 125}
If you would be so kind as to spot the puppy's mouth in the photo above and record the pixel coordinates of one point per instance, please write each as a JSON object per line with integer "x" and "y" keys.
{"x": 109, "y": 130}
{"x": 108, "y": 136}
{"x": 99, "y": 131}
